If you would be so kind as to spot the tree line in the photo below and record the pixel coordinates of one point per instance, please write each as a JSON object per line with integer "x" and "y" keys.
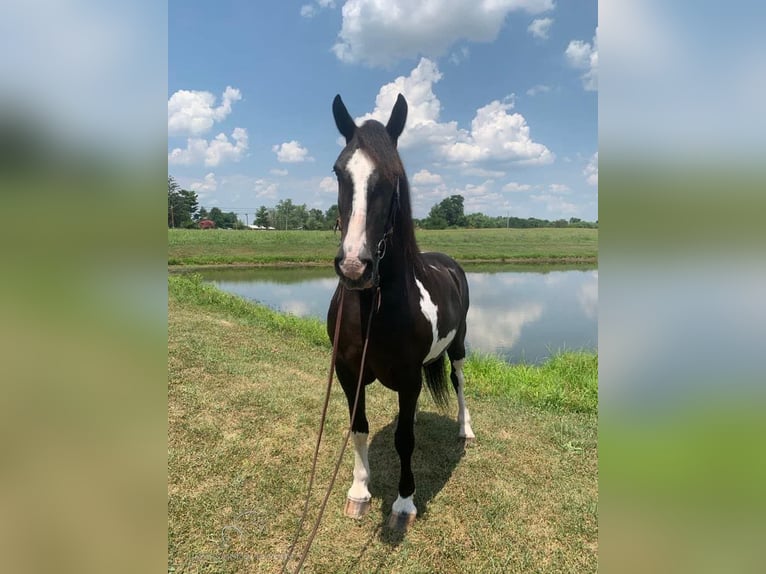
{"x": 450, "y": 213}
{"x": 184, "y": 211}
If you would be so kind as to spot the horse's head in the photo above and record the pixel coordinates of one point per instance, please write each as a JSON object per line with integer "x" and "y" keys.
{"x": 369, "y": 172}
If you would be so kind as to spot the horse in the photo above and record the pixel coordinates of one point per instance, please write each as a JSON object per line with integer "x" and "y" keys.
{"x": 417, "y": 302}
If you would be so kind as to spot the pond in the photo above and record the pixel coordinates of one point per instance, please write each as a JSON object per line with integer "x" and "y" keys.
{"x": 523, "y": 314}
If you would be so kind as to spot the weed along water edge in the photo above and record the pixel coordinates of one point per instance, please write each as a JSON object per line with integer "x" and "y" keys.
{"x": 245, "y": 392}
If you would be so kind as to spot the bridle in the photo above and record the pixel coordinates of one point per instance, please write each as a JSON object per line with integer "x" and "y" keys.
{"x": 380, "y": 251}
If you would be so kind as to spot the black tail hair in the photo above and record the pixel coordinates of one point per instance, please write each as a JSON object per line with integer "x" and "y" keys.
{"x": 436, "y": 381}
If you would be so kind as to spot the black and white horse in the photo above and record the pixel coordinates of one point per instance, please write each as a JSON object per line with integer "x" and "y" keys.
{"x": 421, "y": 313}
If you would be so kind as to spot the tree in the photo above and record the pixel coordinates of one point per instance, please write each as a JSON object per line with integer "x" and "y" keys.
{"x": 225, "y": 220}
{"x": 290, "y": 216}
{"x": 478, "y": 221}
{"x": 262, "y": 216}
{"x": 447, "y": 213}
{"x": 331, "y": 216}
{"x": 452, "y": 208}
{"x": 282, "y": 214}
{"x": 182, "y": 205}
{"x": 315, "y": 219}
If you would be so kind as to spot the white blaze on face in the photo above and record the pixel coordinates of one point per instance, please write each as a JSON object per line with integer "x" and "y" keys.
{"x": 431, "y": 313}
{"x": 359, "y": 168}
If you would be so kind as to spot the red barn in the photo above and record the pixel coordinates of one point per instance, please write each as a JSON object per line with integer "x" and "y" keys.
{"x": 206, "y": 224}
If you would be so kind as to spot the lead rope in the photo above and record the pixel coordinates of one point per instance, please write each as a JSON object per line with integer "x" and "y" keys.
{"x": 315, "y": 528}
{"x": 321, "y": 427}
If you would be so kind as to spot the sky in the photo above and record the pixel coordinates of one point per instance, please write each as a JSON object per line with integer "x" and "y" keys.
{"x": 502, "y": 95}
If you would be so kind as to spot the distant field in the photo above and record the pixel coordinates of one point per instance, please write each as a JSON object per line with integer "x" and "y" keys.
{"x": 225, "y": 247}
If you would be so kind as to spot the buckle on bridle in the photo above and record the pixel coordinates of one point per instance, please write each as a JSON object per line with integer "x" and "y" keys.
{"x": 381, "y": 250}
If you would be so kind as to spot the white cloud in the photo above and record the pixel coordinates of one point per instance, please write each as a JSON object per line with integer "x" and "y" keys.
{"x": 328, "y": 185}
{"x": 540, "y": 28}
{"x": 265, "y": 189}
{"x": 425, "y": 177}
{"x": 559, "y": 188}
{"x": 515, "y": 187}
{"x": 208, "y": 185}
{"x": 556, "y": 205}
{"x": 279, "y": 172}
{"x": 481, "y": 198}
{"x": 291, "y": 152}
{"x": 423, "y": 107}
{"x": 311, "y": 10}
{"x": 460, "y": 56}
{"x": 591, "y": 170}
{"x": 584, "y": 56}
{"x": 495, "y": 134}
{"x": 211, "y": 153}
{"x": 482, "y": 172}
{"x": 193, "y": 112}
{"x": 538, "y": 89}
{"x": 381, "y": 32}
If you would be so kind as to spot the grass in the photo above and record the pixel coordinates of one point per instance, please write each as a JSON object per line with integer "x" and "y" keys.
{"x": 245, "y": 390}
{"x": 227, "y": 247}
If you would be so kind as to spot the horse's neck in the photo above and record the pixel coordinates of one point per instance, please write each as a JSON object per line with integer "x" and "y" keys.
{"x": 398, "y": 266}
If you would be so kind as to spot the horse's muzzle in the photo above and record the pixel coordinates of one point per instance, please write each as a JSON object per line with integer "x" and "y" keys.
{"x": 356, "y": 273}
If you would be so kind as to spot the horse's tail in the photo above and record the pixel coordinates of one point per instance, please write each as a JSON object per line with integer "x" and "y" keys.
{"x": 436, "y": 381}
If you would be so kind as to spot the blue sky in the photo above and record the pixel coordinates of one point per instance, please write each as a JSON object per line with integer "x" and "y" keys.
{"x": 503, "y": 100}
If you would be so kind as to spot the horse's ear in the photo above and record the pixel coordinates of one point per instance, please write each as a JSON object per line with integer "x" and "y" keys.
{"x": 395, "y": 125}
{"x": 343, "y": 119}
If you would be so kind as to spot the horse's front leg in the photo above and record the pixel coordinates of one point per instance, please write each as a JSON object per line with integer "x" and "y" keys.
{"x": 403, "y": 511}
{"x": 358, "y": 496}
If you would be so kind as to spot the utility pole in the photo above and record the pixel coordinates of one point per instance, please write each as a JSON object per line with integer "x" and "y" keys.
{"x": 172, "y": 219}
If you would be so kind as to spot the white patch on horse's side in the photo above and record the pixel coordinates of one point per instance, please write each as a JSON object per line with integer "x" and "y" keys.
{"x": 359, "y": 490}
{"x": 463, "y": 416}
{"x": 360, "y": 168}
{"x": 431, "y": 313}
{"x": 404, "y": 505}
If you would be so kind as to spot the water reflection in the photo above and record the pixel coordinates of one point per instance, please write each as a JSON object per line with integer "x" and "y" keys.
{"x": 521, "y": 314}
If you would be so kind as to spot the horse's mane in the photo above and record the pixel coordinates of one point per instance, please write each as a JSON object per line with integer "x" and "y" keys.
{"x": 373, "y": 138}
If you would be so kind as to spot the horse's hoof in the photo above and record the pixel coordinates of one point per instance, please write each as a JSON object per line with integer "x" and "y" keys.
{"x": 356, "y": 508}
{"x": 401, "y": 521}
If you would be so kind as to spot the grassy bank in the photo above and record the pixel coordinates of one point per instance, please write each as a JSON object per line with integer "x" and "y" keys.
{"x": 245, "y": 391}
{"x": 219, "y": 247}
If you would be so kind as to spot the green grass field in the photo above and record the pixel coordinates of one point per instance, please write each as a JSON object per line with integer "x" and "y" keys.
{"x": 245, "y": 391}
{"x": 223, "y": 247}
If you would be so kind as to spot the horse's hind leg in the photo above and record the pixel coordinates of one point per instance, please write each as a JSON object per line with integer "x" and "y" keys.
{"x": 456, "y": 354}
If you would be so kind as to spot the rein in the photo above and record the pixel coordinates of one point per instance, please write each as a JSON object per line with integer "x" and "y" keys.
{"x": 376, "y": 305}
